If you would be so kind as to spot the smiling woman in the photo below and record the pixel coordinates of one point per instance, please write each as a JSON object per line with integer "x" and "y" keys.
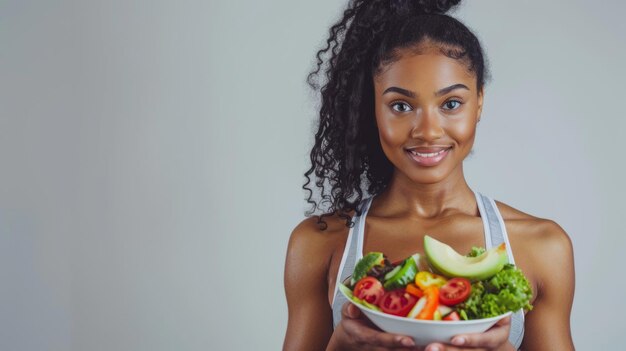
{"x": 402, "y": 99}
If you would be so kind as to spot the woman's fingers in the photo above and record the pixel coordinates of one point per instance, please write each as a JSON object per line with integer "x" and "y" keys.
{"x": 442, "y": 347}
{"x": 365, "y": 335}
{"x": 348, "y": 310}
{"x": 493, "y": 338}
{"x": 362, "y": 332}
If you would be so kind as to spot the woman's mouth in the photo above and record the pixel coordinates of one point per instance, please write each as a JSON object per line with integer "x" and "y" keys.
{"x": 428, "y": 157}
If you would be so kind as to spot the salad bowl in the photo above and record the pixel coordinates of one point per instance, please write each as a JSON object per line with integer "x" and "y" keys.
{"x": 425, "y": 332}
{"x": 452, "y": 294}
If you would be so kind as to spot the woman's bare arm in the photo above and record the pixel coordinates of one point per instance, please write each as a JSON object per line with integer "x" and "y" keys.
{"x": 306, "y": 269}
{"x": 547, "y": 326}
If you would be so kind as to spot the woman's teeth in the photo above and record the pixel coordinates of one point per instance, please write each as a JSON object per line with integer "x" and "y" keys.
{"x": 431, "y": 154}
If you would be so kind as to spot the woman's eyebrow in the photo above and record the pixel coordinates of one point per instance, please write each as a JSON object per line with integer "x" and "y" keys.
{"x": 411, "y": 94}
{"x": 450, "y": 88}
{"x": 400, "y": 91}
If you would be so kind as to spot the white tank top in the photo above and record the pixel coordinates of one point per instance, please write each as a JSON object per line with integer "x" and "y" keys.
{"x": 495, "y": 234}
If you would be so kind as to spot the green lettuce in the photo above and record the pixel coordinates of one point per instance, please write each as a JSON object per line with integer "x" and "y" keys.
{"x": 476, "y": 251}
{"x": 508, "y": 290}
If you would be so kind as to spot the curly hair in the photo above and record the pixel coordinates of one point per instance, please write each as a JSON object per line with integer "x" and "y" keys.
{"x": 347, "y": 160}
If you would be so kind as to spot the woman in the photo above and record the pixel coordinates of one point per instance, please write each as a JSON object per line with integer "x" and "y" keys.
{"x": 400, "y": 106}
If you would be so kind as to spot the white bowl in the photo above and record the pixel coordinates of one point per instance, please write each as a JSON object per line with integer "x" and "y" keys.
{"x": 423, "y": 331}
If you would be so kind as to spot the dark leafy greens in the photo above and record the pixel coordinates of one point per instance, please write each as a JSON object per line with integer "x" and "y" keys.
{"x": 508, "y": 290}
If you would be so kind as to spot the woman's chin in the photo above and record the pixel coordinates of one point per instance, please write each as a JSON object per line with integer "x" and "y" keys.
{"x": 426, "y": 177}
{"x": 422, "y": 180}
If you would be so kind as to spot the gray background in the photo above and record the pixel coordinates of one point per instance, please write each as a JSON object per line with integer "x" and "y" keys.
{"x": 152, "y": 152}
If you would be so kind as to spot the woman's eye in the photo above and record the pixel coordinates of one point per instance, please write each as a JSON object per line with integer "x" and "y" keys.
{"x": 400, "y": 107}
{"x": 452, "y": 104}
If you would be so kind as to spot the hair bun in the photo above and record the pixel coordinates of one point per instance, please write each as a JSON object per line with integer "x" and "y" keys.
{"x": 405, "y": 7}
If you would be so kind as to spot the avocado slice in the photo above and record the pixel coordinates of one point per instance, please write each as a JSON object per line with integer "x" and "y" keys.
{"x": 450, "y": 263}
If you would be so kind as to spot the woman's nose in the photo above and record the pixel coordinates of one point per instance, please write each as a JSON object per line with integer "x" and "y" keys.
{"x": 427, "y": 126}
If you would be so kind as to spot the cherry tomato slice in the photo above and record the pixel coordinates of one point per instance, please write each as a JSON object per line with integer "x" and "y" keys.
{"x": 453, "y": 316}
{"x": 455, "y": 291}
{"x": 397, "y": 302}
{"x": 369, "y": 289}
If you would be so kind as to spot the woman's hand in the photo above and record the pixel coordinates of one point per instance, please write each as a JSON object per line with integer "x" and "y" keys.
{"x": 356, "y": 332}
{"x": 496, "y": 338}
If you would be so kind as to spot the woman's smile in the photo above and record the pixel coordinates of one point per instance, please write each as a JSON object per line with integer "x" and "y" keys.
{"x": 428, "y": 157}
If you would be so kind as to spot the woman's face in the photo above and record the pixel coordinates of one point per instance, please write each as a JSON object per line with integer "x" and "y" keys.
{"x": 427, "y": 107}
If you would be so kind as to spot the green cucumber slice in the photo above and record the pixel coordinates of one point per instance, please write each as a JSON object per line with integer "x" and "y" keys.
{"x": 419, "y": 306}
{"x": 416, "y": 257}
{"x": 393, "y": 272}
{"x": 402, "y": 276}
{"x": 444, "y": 310}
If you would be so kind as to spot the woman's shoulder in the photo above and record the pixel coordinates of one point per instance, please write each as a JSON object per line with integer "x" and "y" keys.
{"x": 522, "y": 223}
{"x": 315, "y": 237}
{"x": 314, "y": 252}
{"x": 538, "y": 239}
{"x": 322, "y": 228}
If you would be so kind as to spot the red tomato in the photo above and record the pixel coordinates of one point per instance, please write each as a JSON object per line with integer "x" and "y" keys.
{"x": 397, "y": 302}
{"x": 455, "y": 291}
{"x": 453, "y": 316}
{"x": 369, "y": 289}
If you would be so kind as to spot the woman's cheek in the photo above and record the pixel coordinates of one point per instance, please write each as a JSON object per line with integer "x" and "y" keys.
{"x": 393, "y": 131}
{"x": 463, "y": 132}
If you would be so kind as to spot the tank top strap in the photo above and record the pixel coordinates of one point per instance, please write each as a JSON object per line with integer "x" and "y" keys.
{"x": 352, "y": 252}
{"x": 496, "y": 232}
{"x": 495, "y": 225}
{"x": 361, "y": 229}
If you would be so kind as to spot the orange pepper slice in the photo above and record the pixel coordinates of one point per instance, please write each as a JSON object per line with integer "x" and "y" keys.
{"x": 414, "y": 290}
{"x": 431, "y": 294}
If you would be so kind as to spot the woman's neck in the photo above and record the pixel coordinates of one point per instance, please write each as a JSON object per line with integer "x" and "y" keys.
{"x": 403, "y": 197}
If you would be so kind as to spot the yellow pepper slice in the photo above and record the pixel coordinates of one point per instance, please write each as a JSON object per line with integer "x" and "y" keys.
{"x": 425, "y": 279}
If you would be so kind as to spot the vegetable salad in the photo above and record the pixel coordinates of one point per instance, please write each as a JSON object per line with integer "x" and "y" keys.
{"x": 402, "y": 290}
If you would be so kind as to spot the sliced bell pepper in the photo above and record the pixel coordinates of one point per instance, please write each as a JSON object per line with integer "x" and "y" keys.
{"x": 414, "y": 290}
{"x": 431, "y": 294}
{"x": 425, "y": 279}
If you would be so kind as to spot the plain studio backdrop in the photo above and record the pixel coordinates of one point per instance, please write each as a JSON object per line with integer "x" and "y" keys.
{"x": 152, "y": 155}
